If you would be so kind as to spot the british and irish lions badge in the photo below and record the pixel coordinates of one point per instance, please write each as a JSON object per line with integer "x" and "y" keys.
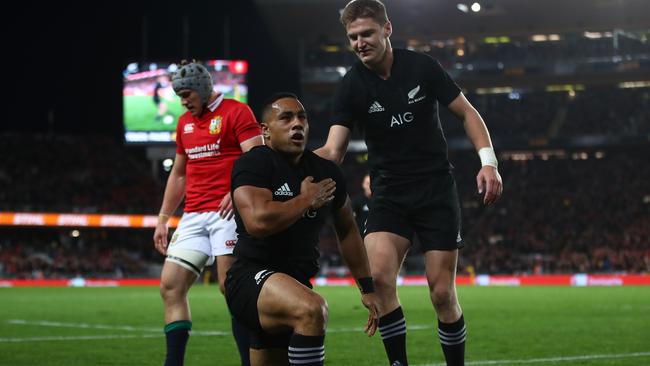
{"x": 215, "y": 126}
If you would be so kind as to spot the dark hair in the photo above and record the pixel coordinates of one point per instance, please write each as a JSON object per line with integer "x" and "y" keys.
{"x": 356, "y": 9}
{"x": 267, "y": 106}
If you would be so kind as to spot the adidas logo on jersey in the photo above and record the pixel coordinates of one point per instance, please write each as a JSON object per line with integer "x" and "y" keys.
{"x": 375, "y": 107}
{"x": 284, "y": 190}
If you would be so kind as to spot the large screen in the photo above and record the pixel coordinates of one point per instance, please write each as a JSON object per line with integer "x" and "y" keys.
{"x": 151, "y": 108}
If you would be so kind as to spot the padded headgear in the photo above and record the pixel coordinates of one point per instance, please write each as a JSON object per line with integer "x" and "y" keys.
{"x": 195, "y": 77}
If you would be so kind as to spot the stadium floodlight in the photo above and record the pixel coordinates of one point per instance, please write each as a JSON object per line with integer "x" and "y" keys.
{"x": 476, "y": 7}
{"x": 462, "y": 7}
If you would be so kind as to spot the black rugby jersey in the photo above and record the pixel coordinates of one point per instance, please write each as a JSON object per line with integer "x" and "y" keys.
{"x": 398, "y": 116}
{"x": 294, "y": 250}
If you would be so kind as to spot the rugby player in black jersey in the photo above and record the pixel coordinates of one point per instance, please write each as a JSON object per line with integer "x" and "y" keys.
{"x": 392, "y": 96}
{"x": 283, "y": 194}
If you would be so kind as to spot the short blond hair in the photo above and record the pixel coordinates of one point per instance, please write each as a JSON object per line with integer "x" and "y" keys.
{"x": 356, "y": 9}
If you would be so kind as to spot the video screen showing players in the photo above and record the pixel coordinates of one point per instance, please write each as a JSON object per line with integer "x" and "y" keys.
{"x": 151, "y": 108}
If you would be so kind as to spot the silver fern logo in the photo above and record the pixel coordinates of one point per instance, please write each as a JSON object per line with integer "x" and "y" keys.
{"x": 413, "y": 93}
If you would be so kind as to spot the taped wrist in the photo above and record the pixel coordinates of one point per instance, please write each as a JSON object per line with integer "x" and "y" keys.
{"x": 162, "y": 218}
{"x": 488, "y": 157}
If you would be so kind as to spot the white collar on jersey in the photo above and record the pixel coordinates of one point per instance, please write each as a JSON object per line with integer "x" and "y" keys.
{"x": 212, "y": 106}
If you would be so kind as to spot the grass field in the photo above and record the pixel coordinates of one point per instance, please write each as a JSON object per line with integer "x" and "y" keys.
{"x": 140, "y": 113}
{"x": 507, "y": 326}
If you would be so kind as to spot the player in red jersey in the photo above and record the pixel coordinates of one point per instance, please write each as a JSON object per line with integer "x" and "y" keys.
{"x": 210, "y": 136}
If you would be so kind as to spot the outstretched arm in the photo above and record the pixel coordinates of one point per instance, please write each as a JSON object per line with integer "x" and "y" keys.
{"x": 336, "y": 145}
{"x": 354, "y": 255}
{"x": 488, "y": 179}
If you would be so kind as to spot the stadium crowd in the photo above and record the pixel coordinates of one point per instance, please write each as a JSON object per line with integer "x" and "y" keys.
{"x": 81, "y": 174}
{"x": 50, "y": 253}
{"x": 564, "y": 215}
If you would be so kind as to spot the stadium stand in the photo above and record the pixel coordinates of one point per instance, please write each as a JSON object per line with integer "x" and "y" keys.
{"x": 67, "y": 173}
{"x": 48, "y": 253}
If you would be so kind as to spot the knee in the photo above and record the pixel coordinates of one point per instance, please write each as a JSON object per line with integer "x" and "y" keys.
{"x": 384, "y": 282}
{"x": 169, "y": 291}
{"x": 312, "y": 312}
{"x": 442, "y": 297}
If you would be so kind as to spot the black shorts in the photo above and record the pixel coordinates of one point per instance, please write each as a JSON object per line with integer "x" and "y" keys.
{"x": 244, "y": 282}
{"x": 427, "y": 207}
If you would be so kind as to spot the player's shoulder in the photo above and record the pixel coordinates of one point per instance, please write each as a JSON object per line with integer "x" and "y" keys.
{"x": 353, "y": 73}
{"x": 257, "y": 153}
{"x": 237, "y": 108}
{"x": 234, "y": 105}
{"x": 413, "y": 56}
{"x": 320, "y": 162}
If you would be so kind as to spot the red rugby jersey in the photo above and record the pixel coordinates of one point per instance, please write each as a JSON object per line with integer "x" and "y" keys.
{"x": 211, "y": 144}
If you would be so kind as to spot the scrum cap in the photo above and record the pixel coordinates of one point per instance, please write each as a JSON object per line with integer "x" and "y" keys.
{"x": 195, "y": 77}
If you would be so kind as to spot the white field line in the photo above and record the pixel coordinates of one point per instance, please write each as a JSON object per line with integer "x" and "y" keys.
{"x": 48, "y": 323}
{"x": 221, "y": 333}
{"x": 157, "y": 332}
{"x": 154, "y": 332}
{"x": 74, "y": 338}
{"x": 352, "y": 330}
{"x": 129, "y": 328}
{"x": 550, "y": 359}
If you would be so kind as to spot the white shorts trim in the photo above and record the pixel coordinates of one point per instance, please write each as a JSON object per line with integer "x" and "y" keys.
{"x": 192, "y": 260}
{"x": 205, "y": 232}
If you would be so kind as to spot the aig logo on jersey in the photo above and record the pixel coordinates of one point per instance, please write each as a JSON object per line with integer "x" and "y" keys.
{"x": 310, "y": 214}
{"x": 215, "y": 126}
{"x": 400, "y": 119}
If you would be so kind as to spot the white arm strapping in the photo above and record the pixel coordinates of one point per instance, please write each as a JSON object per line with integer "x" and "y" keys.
{"x": 488, "y": 157}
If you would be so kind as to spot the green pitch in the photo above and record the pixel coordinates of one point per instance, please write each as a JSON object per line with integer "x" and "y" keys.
{"x": 506, "y": 326}
{"x": 140, "y": 113}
